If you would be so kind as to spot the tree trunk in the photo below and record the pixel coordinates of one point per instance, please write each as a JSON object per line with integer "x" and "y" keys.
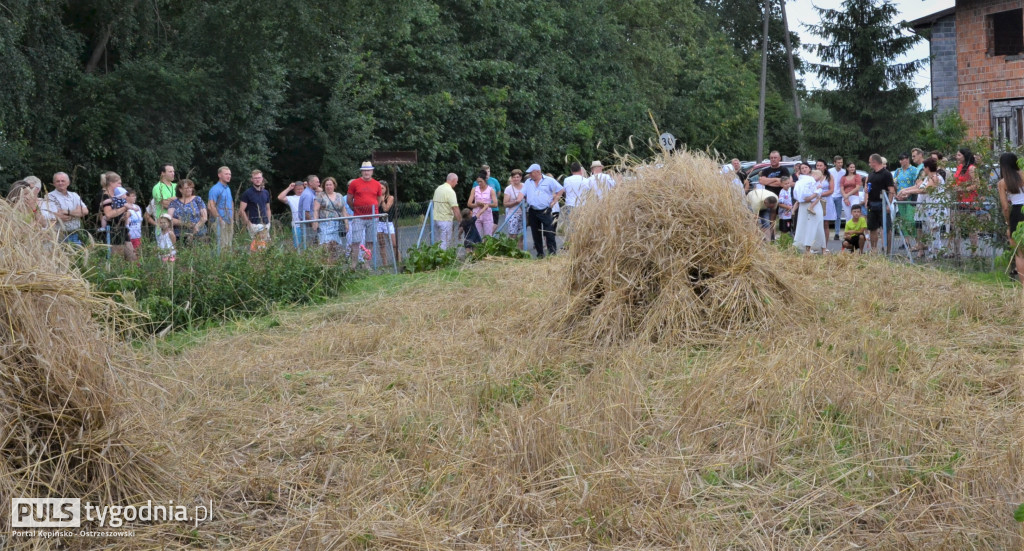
{"x": 99, "y": 50}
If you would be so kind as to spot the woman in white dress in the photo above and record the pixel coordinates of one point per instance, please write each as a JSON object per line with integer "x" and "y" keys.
{"x": 826, "y": 196}
{"x": 929, "y": 212}
{"x": 810, "y": 228}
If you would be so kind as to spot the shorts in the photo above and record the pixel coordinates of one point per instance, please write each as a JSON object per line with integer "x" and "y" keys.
{"x": 136, "y": 243}
{"x": 875, "y": 212}
{"x": 386, "y": 227}
{"x": 855, "y": 241}
{"x": 764, "y": 219}
{"x": 1016, "y": 217}
{"x": 357, "y": 230}
{"x": 785, "y": 225}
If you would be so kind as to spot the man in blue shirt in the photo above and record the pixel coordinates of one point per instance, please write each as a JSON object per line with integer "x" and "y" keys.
{"x": 542, "y": 192}
{"x": 221, "y": 208}
{"x": 305, "y": 212}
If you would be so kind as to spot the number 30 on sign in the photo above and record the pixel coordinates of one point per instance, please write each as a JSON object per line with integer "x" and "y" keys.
{"x": 668, "y": 141}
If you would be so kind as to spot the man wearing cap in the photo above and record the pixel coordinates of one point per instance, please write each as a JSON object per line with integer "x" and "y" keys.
{"x": 221, "y": 206}
{"x": 599, "y": 181}
{"x": 542, "y": 192}
{"x": 67, "y": 207}
{"x": 255, "y": 205}
{"x": 446, "y": 210}
{"x": 364, "y": 195}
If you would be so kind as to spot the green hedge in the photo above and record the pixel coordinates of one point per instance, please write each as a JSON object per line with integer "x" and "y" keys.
{"x": 203, "y": 287}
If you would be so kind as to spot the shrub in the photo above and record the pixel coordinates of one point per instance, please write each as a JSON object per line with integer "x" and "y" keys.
{"x": 424, "y": 258}
{"x": 202, "y": 286}
{"x": 498, "y": 245}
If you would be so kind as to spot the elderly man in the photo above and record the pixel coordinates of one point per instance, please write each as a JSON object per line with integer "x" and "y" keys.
{"x": 599, "y": 181}
{"x": 541, "y": 192}
{"x": 364, "y": 195}
{"x": 221, "y": 206}
{"x": 67, "y": 207}
{"x": 446, "y": 210}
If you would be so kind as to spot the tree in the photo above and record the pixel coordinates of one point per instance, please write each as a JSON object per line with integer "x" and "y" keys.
{"x": 873, "y": 94}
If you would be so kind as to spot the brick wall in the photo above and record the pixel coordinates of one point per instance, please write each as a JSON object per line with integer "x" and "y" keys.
{"x": 945, "y": 91}
{"x": 983, "y": 78}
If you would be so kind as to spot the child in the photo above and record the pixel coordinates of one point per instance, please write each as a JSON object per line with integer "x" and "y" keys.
{"x": 260, "y": 237}
{"x": 468, "y": 228}
{"x": 165, "y": 240}
{"x": 818, "y": 187}
{"x": 786, "y": 206}
{"x": 134, "y": 221}
{"x": 853, "y": 237}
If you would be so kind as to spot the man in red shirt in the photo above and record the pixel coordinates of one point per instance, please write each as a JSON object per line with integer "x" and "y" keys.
{"x": 363, "y": 198}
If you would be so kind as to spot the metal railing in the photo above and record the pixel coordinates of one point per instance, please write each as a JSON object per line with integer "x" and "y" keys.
{"x": 375, "y": 250}
{"x": 935, "y": 231}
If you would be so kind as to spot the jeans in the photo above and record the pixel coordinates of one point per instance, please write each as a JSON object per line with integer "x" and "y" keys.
{"x": 838, "y": 202}
{"x": 542, "y": 227}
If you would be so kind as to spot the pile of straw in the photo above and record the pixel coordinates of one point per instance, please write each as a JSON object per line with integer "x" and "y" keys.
{"x": 672, "y": 254}
{"x": 63, "y": 414}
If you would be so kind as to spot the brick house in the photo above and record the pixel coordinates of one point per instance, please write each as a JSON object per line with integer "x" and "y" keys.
{"x": 977, "y": 60}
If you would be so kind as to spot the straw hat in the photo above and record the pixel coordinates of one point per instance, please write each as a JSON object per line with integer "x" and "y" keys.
{"x": 596, "y": 164}
{"x": 367, "y": 165}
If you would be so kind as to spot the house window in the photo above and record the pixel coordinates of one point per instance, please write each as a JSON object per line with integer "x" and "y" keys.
{"x": 1007, "y": 123}
{"x": 1006, "y": 32}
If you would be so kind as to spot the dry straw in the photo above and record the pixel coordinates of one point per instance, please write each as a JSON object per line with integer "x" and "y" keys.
{"x": 671, "y": 254}
{"x": 65, "y": 428}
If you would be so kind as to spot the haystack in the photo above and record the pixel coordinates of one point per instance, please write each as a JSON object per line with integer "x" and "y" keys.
{"x": 673, "y": 254}
{"x": 66, "y": 425}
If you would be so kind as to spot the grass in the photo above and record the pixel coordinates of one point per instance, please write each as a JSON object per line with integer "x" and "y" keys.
{"x": 419, "y": 412}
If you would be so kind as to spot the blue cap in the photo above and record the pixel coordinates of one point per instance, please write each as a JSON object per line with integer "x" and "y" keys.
{"x": 533, "y": 167}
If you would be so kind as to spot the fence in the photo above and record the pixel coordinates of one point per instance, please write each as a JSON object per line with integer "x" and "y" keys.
{"x": 946, "y": 233}
{"x": 428, "y": 221}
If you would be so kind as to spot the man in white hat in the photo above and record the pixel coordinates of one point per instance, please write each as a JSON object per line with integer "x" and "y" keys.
{"x": 599, "y": 181}
{"x": 364, "y": 195}
{"x": 542, "y": 193}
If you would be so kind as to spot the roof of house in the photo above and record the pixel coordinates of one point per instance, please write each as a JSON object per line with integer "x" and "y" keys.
{"x": 927, "y": 20}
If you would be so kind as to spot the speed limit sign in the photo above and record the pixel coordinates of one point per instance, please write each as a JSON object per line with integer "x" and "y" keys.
{"x": 668, "y": 141}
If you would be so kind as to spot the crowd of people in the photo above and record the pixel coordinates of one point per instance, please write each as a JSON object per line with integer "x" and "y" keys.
{"x": 345, "y": 224}
{"x": 922, "y": 197}
{"x": 808, "y": 200}
{"x": 539, "y": 202}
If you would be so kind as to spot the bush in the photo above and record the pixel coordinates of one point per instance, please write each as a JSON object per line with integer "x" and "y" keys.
{"x": 202, "y": 287}
{"x": 498, "y": 245}
{"x": 424, "y": 258}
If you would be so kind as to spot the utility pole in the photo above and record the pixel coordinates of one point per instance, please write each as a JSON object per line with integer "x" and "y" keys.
{"x": 764, "y": 77}
{"x": 792, "y": 82}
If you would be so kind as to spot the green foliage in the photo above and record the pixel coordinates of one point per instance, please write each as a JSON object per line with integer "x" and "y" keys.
{"x": 1018, "y": 513}
{"x": 202, "y": 287}
{"x": 315, "y": 86}
{"x": 874, "y": 95}
{"x": 498, "y": 245}
{"x": 429, "y": 257}
{"x": 948, "y": 133}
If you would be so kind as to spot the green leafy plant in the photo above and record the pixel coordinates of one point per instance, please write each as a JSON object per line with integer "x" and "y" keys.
{"x": 202, "y": 287}
{"x": 498, "y": 245}
{"x": 429, "y": 257}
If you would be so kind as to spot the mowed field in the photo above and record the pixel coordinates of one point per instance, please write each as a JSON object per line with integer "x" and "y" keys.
{"x": 449, "y": 411}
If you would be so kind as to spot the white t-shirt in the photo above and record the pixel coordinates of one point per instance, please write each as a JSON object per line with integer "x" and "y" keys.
{"x": 837, "y": 176}
{"x": 134, "y": 222}
{"x": 70, "y": 201}
{"x": 576, "y": 190}
{"x": 293, "y": 203}
{"x": 785, "y": 198}
{"x": 600, "y": 183}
